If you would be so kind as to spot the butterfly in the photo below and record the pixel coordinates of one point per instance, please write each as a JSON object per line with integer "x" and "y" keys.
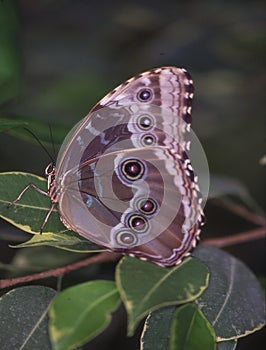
{"x": 123, "y": 178}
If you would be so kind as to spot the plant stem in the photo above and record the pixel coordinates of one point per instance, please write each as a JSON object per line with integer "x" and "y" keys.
{"x": 235, "y": 239}
{"x": 99, "y": 258}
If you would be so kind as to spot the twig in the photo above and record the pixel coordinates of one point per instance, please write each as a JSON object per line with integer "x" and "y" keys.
{"x": 236, "y": 238}
{"x": 240, "y": 211}
{"x": 99, "y": 258}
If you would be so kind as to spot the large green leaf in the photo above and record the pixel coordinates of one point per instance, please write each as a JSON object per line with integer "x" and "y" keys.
{"x": 23, "y": 318}
{"x": 145, "y": 286}
{"x": 234, "y": 302}
{"x": 80, "y": 313}
{"x": 29, "y": 212}
{"x": 191, "y": 330}
{"x": 233, "y": 298}
{"x": 227, "y": 345}
{"x": 156, "y": 331}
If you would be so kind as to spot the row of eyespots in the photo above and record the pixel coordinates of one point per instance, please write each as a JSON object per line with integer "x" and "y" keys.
{"x": 132, "y": 170}
{"x": 137, "y": 223}
{"x": 145, "y": 122}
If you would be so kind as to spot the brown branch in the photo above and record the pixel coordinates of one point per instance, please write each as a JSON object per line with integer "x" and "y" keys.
{"x": 242, "y": 237}
{"x": 99, "y": 258}
{"x": 236, "y": 238}
{"x": 240, "y": 211}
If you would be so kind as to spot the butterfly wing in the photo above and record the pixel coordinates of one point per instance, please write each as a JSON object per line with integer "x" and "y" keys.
{"x": 123, "y": 176}
{"x": 169, "y": 87}
{"x": 168, "y": 108}
{"x": 139, "y": 202}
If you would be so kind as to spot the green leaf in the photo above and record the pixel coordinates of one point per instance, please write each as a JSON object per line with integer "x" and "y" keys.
{"x": 23, "y": 318}
{"x": 7, "y": 124}
{"x": 10, "y": 58}
{"x": 67, "y": 240}
{"x": 156, "y": 330}
{"x": 40, "y": 259}
{"x": 227, "y": 345}
{"x": 79, "y": 313}
{"x": 145, "y": 286}
{"x": 28, "y": 213}
{"x": 234, "y": 302}
{"x": 191, "y": 330}
{"x": 221, "y": 185}
{"x": 15, "y": 124}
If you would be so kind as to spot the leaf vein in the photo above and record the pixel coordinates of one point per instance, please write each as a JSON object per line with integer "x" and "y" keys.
{"x": 156, "y": 285}
{"x": 34, "y": 328}
{"x": 230, "y": 288}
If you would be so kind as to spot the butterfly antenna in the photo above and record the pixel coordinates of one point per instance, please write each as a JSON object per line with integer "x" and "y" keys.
{"x": 40, "y": 143}
{"x": 52, "y": 140}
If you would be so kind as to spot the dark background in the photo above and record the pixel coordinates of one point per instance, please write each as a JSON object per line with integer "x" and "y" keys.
{"x": 69, "y": 54}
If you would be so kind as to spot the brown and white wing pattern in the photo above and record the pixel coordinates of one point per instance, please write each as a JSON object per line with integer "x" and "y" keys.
{"x": 124, "y": 179}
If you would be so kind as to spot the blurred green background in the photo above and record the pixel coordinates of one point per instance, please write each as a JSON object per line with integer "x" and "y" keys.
{"x": 69, "y": 54}
{"x": 58, "y": 58}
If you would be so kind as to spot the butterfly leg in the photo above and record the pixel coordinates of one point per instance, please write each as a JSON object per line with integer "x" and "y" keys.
{"x": 47, "y": 217}
{"x": 24, "y": 190}
{"x": 41, "y": 192}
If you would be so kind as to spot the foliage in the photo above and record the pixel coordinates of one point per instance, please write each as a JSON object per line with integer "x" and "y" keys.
{"x": 212, "y": 300}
